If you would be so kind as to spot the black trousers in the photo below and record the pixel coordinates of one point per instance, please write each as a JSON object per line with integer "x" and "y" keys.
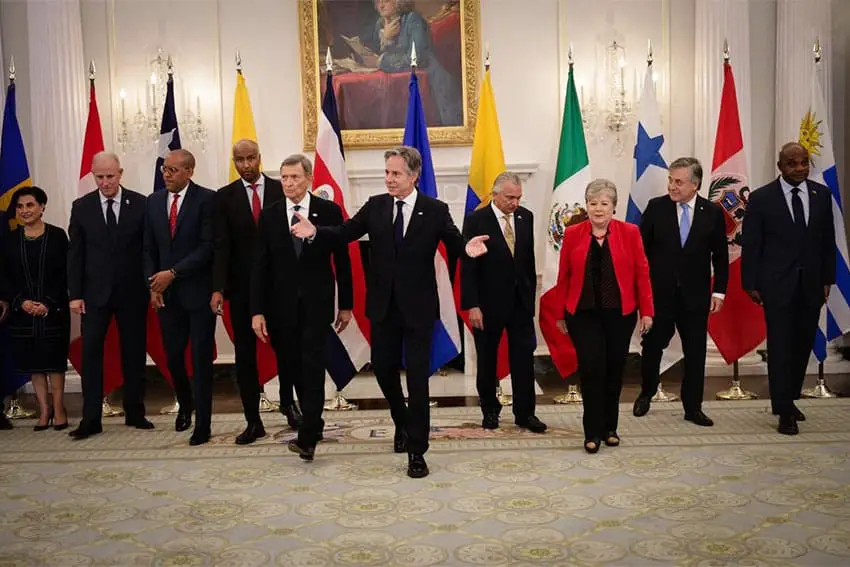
{"x": 791, "y": 332}
{"x": 180, "y": 327}
{"x": 391, "y": 338}
{"x": 601, "y": 339}
{"x": 521, "y": 343}
{"x": 693, "y": 330}
{"x": 245, "y": 344}
{"x": 131, "y": 319}
{"x": 300, "y": 352}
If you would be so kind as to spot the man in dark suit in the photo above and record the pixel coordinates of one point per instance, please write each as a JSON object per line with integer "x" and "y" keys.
{"x": 788, "y": 266}
{"x": 404, "y": 228}
{"x": 106, "y": 279}
{"x": 292, "y": 294}
{"x": 684, "y": 236}
{"x": 178, "y": 256}
{"x": 237, "y": 212}
{"x": 498, "y": 289}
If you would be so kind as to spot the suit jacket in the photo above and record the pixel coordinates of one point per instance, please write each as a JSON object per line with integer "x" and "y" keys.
{"x": 773, "y": 252}
{"x": 630, "y": 266}
{"x": 235, "y": 232}
{"x": 408, "y": 273}
{"x": 499, "y": 282}
{"x": 279, "y": 277}
{"x": 189, "y": 253}
{"x": 98, "y": 266}
{"x": 687, "y": 268}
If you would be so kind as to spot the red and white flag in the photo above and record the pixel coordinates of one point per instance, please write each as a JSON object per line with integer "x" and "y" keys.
{"x": 739, "y": 327}
{"x": 112, "y": 377}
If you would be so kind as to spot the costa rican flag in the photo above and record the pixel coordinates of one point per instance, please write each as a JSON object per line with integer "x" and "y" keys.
{"x": 348, "y": 351}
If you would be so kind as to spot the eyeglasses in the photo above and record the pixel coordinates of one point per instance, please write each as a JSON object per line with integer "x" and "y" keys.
{"x": 170, "y": 170}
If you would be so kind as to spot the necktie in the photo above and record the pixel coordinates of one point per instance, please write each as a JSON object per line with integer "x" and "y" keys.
{"x": 685, "y": 224}
{"x": 256, "y": 206}
{"x": 172, "y": 215}
{"x": 297, "y": 243}
{"x": 398, "y": 224}
{"x": 510, "y": 237}
{"x": 797, "y": 207}
{"x": 111, "y": 221}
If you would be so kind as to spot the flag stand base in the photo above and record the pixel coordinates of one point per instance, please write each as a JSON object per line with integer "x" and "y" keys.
{"x": 504, "y": 399}
{"x": 172, "y": 409}
{"x": 571, "y": 397}
{"x": 736, "y": 392}
{"x": 108, "y": 410}
{"x": 661, "y": 395}
{"x": 266, "y": 405}
{"x": 339, "y": 403}
{"x": 17, "y": 411}
{"x": 819, "y": 390}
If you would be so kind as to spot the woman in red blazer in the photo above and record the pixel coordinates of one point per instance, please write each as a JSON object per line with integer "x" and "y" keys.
{"x": 603, "y": 281}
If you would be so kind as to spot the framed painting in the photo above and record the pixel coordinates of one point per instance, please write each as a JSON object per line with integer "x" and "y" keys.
{"x": 370, "y": 44}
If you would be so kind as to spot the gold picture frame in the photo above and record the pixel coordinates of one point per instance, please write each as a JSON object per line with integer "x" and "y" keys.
{"x": 313, "y": 72}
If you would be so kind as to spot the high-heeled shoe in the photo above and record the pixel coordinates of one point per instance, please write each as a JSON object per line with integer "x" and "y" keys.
{"x": 592, "y": 445}
{"x": 49, "y": 422}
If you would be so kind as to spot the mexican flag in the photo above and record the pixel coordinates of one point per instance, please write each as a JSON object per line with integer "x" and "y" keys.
{"x": 572, "y": 174}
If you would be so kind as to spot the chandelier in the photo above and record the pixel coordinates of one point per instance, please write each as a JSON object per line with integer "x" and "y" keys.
{"x": 609, "y": 118}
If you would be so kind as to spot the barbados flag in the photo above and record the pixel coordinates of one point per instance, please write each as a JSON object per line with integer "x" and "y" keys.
{"x": 14, "y": 174}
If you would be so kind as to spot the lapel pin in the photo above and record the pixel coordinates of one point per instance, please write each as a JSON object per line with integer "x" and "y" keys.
{"x": 419, "y": 213}
{"x": 314, "y": 215}
{"x": 519, "y": 217}
{"x": 127, "y": 202}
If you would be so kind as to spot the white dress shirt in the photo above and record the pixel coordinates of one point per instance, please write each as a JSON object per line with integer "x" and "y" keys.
{"x": 261, "y": 190}
{"x": 500, "y": 216}
{"x": 409, "y": 203}
{"x": 691, "y": 210}
{"x": 116, "y": 204}
{"x": 180, "y": 200}
{"x": 804, "y": 196}
{"x": 303, "y": 211}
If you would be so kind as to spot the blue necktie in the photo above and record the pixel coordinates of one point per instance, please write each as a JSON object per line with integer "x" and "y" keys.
{"x": 685, "y": 224}
{"x": 398, "y": 224}
{"x": 297, "y": 243}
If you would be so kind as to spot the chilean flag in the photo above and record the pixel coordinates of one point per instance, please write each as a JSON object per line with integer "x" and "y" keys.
{"x": 445, "y": 344}
{"x": 348, "y": 351}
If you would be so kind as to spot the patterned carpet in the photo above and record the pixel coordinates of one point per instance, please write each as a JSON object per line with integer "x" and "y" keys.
{"x": 735, "y": 494}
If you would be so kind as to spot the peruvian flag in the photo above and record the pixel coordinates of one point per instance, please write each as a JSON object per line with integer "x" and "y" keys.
{"x": 348, "y": 351}
{"x": 112, "y": 377}
{"x": 739, "y": 327}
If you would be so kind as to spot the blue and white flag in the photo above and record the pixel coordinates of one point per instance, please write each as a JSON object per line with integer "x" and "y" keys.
{"x": 649, "y": 177}
{"x": 816, "y": 138}
{"x": 445, "y": 344}
{"x": 169, "y": 135}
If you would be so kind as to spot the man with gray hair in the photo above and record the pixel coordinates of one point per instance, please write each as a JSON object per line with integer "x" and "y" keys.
{"x": 498, "y": 290}
{"x": 684, "y": 236}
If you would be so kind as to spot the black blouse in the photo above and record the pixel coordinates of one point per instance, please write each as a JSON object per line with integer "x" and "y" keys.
{"x": 600, "y": 289}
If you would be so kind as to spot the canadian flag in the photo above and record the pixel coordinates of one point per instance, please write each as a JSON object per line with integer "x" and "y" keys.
{"x": 112, "y": 377}
{"x": 739, "y": 327}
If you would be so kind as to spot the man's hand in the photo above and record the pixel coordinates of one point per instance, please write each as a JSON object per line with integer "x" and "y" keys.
{"x": 716, "y": 304}
{"x": 826, "y": 289}
{"x": 645, "y": 325}
{"x": 78, "y": 306}
{"x": 157, "y": 301}
{"x": 258, "y": 323}
{"x": 562, "y": 326}
{"x": 342, "y": 320}
{"x": 476, "y": 318}
{"x": 303, "y": 228}
{"x": 755, "y": 296}
{"x": 391, "y": 29}
{"x": 476, "y": 247}
{"x": 4, "y": 310}
{"x": 161, "y": 280}
{"x": 217, "y": 303}
{"x": 28, "y": 307}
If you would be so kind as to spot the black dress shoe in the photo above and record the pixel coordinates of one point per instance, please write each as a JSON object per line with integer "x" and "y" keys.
{"x": 85, "y": 430}
{"x": 491, "y": 420}
{"x": 699, "y": 418}
{"x": 533, "y": 424}
{"x": 61, "y": 426}
{"x": 400, "y": 441}
{"x": 306, "y": 453}
{"x": 253, "y": 432}
{"x": 293, "y": 415}
{"x": 199, "y": 437}
{"x": 5, "y": 424}
{"x": 40, "y": 427}
{"x": 798, "y": 415}
{"x": 416, "y": 466}
{"x": 183, "y": 421}
{"x": 787, "y": 425}
{"x": 138, "y": 423}
{"x": 641, "y": 406}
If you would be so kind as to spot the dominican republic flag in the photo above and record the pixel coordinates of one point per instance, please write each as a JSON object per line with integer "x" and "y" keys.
{"x": 445, "y": 344}
{"x": 348, "y": 351}
{"x": 816, "y": 138}
{"x": 739, "y": 327}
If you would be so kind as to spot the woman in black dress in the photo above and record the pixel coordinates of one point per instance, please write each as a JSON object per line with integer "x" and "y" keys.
{"x": 37, "y": 284}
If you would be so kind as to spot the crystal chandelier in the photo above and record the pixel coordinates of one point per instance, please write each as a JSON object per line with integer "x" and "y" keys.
{"x": 612, "y": 114}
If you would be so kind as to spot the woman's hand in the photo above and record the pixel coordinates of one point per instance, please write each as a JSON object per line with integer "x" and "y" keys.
{"x": 562, "y": 326}
{"x": 645, "y": 325}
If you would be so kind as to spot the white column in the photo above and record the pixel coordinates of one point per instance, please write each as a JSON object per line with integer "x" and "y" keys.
{"x": 58, "y": 74}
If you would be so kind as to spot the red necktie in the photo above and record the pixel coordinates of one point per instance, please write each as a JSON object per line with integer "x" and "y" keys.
{"x": 256, "y": 206}
{"x": 172, "y": 215}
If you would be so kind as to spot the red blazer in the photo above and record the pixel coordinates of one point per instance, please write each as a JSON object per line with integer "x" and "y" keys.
{"x": 630, "y": 266}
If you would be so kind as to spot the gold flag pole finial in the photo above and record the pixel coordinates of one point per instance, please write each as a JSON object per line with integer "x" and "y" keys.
{"x": 413, "y": 54}
{"x": 329, "y": 62}
{"x": 12, "y": 69}
{"x": 238, "y": 62}
{"x": 817, "y": 51}
{"x": 170, "y": 66}
{"x": 92, "y": 70}
{"x": 726, "y": 56}
{"x": 486, "y": 57}
{"x": 649, "y": 52}
{"x": 570, "y": 59}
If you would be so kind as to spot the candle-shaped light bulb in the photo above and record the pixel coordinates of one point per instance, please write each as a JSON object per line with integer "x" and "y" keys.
{"x": 122, "y": 94}
{"x": 153, "y": 79}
